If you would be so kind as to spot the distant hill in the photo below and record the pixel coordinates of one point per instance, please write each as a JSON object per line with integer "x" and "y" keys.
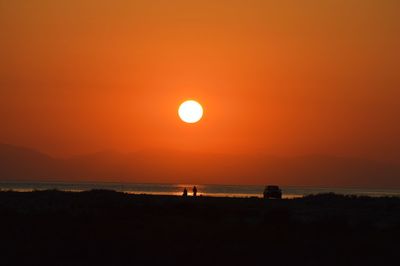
{"x": 18, "y": 163}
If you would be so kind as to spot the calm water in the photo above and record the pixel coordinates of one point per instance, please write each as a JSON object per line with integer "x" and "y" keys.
{"x": 206, "y": 190}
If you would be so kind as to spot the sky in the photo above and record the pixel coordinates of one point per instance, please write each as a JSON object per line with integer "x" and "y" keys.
{"x": 284, "y": 78}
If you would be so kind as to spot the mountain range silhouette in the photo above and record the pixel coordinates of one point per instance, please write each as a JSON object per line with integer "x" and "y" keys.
{"x": 24, "y": 164}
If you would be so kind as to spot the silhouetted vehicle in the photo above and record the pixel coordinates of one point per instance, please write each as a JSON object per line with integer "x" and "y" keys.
{"x": 272, "y": 192}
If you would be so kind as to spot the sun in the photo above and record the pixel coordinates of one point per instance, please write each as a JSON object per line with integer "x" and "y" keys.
{"x": 190, "y": 112}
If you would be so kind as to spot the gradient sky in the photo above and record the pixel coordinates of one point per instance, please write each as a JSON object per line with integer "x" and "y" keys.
{"x": 276, "y": 77}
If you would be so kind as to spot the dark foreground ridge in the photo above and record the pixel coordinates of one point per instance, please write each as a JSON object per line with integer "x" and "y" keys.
{"x": 110, "y": 228}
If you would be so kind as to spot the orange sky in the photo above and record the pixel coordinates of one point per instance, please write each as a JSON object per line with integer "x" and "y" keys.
{"x": 276, "y": 77}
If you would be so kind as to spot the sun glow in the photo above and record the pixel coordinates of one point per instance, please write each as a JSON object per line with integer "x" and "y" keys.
{"x": 190, "y": 112}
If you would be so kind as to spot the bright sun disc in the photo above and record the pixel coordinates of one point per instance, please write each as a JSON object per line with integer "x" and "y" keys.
{"x": 190, "y": 111}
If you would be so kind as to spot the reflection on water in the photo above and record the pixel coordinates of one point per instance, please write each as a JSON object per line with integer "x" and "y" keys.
{"x": 203, "y": 190}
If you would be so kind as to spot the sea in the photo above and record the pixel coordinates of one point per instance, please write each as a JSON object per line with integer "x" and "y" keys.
{"x": 203, "y": 190}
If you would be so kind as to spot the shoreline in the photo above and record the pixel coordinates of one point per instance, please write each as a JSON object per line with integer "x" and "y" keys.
{"x": 205, "y": 190}
{"x": 177, "y": 194}
{"x": 208, "y": 195}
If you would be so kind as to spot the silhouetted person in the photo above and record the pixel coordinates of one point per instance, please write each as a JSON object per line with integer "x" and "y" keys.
{"x": 185, "y": 192}
{"x": 194, "y": 191}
